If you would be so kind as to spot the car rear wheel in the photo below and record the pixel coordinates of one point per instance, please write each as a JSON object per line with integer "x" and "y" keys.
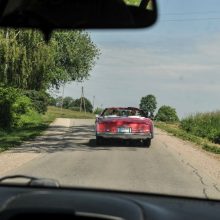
{"x": 99, "y": 140}
{"x": 147, "y": 142}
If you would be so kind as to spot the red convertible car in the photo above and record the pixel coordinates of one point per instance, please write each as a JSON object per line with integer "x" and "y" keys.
{"x": 124, "y": 123}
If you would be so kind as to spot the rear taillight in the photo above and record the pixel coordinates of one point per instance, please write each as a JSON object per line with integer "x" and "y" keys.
{"x": 146, "y": 128}
{"x": 140, "y": 128}
{"x": 100, "y": 127}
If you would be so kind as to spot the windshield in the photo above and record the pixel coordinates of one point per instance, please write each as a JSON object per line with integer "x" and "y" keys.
{"x": 122, "y": 112}
{"x": 56, "y": 98}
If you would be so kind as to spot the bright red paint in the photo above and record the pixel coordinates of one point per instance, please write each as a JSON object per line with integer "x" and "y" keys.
{"x": 111, "y": 124}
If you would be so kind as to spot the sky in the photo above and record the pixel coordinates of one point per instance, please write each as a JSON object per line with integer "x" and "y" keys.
{"x": 177, "y": 60}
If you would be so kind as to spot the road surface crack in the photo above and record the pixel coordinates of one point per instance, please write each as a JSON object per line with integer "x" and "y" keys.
{"x": 205, "y": 194}
{"x": 215, "y": 186}
{"x": 197, "y": 174}
{"x": 195, "y": 171}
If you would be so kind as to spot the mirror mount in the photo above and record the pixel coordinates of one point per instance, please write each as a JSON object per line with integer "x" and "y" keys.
{"x": 144, "y": 4}
{"x": 48, "y": 15}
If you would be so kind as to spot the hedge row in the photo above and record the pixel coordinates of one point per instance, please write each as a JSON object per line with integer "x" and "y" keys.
{"x": 205, "y": 125}
{"x": 15, "y": 104}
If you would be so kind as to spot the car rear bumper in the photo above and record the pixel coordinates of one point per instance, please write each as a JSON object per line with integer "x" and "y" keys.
{"x": 125, "y": 135}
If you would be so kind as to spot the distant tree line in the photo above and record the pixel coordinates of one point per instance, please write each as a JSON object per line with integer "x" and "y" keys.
{"x": 165, "y": 113}
{"x": 73, "y": 104}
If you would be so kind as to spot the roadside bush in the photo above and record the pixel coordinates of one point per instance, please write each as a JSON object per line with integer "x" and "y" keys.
{"x": 68, "y": 102}
{"x": 175, "y": 130}
{"x": 14, "y": 106}
{"x": 167, "y": 114}
{"x": 39, "y": 99}
{"x": 21, "y": 107}
{"x": 98, "y": 111}
{"x": 8, "y": 97}
{"x": 31, "y": 117}
{"x": 88, "y": 104}
{"x": 52, "y": 101}
{"x": 206, "y": 125}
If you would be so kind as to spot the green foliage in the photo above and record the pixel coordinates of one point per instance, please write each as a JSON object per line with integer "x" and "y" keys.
{"x": 68, "y": 102}
{"x": 98, "y": 111}
{"x": 59, "y": 101}
{"x": 52, "y": 101}
{"x": 27, "y": 62}
{"x": 75, "y": 56}
{"x": 20, "y": 107}
{"x": 88, "y": 105}
{"x": 137, "y": 3}
{"x": 167, "y": 114}
{"x": 8, "y": 97}
{"x": 32, "y": 124}
{"x": 30, "y": 117}
{"x": 149, "y": 104}
{"x": 13, "y": 104}
{"x": 133, "y": 2}
{"x": 39, "y": 99}
{"x": 176, "y": 130}
{"x": 206, "y": 125}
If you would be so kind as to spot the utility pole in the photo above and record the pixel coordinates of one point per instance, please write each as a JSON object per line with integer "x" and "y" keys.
{"x": 93, "y": 103}
{"x": 61, "y": 107}
{"x": 82, "y": 101}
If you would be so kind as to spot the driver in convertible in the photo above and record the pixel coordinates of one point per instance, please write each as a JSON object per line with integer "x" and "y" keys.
{"x": 113, "y": 113}
{"x": 132, "y": 112}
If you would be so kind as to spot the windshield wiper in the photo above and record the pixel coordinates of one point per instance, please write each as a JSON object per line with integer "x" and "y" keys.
{"x": 32, "y": 181}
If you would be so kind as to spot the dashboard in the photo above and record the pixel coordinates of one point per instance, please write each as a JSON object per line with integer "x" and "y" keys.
{"x": 19, "y": 202}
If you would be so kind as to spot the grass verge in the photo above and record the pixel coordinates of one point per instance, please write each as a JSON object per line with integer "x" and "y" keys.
{"x": 55, "y": 112}
{"x": 175, "y": 130}
{"x": 35, "y": 125}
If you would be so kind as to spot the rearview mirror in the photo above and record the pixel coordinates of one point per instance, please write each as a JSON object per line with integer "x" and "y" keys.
{"x": 77, "y": 14}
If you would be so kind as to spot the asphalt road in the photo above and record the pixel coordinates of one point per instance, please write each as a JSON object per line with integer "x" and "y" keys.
{"x": 67, "y": 152}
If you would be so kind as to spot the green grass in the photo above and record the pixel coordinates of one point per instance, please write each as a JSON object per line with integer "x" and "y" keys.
{"x": 35, "y": 125}
{"x": 176, "y": 130}
{"x": 55, "y": 112}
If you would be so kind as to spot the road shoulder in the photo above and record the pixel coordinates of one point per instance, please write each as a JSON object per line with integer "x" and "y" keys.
{"x": 18, "y": 156}
{"x": 188, "y": 153}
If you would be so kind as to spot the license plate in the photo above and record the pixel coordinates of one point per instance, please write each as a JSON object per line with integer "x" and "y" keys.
{"x": 124, "y": 130}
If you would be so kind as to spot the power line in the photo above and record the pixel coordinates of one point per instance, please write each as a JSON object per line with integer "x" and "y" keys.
{"x": 191, "y": 13}
{"x": 190, "y": 19}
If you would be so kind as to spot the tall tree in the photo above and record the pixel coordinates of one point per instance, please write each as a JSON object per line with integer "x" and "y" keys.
{"x": 149, "y": 104}
{"x": 27, "y": 62}
{"x": 67, "y": 101}
{"x": 25, "y": 59}
{"x": 88, "y": 104}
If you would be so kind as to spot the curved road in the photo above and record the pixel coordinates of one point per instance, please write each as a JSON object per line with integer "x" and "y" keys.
{"x": 67, "y": 152}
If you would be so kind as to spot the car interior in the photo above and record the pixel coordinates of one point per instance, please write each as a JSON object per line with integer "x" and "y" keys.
{"x": 27, "y": 197}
